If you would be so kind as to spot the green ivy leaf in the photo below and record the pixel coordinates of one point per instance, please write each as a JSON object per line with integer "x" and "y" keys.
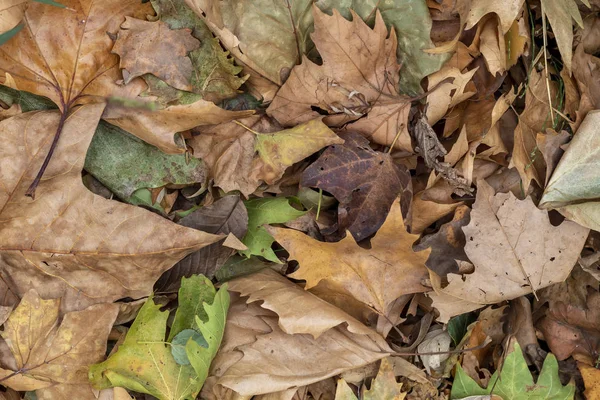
{"x": 515, "y": 382}
{"x": 180, "y": 341}
{"x": 457, "y": 326}
{"x": 266, "y": 211}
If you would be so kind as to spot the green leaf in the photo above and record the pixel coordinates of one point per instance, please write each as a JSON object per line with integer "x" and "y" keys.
{"x": 124, "y": 164}
{"x": 51, "y": 3}
{"x": 215, "y": 75}
{"x": 193, "y": 293}
{"x": 237, "y": 266}
{"x": 515, "y": 382}
{"x": 266, "y": 211}
{"x": 145, "y": 363}
{"x": 343, "y": 391}
{"x": 200, "y": 357}
{"x": 412, "y": 23}
{"x": 27, "y": 101}
{"x": 457, "y": 326}
{"x": 179, "y": 342}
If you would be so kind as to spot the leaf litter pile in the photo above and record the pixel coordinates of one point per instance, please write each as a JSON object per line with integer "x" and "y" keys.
{"x": 299, "y": 199}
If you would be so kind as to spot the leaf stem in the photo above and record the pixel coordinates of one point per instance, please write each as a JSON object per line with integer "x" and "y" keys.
{"x": 545, "y": 32}
{"x": 245, "y": 127}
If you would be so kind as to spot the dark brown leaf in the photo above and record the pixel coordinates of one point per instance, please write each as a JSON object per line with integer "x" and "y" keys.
{"x": 226, "y": 215}
{"x": 364, "y": 181}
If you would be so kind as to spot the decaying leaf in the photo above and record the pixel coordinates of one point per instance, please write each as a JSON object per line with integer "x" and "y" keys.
{"x": 515, "y": 381}
{"x": 49, "y": 353}
{"x": 152, "y": 48}
{"x": 514, "y": 248}
{"x": 144, "y": 362}
{"x": 375, "y": 277}
{"x": 364, "y": 181}
{"x": 358, "y": 78}
{"x": 384, "y": 386}
{"x": 69, "y": 242}
{"x": 11, "y": 13}
{"x": 266, "y": 211}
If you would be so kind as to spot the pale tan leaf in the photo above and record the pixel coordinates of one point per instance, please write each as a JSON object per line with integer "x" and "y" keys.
{"x": 471, "y": 11}
{"x": 449, "y": 94}
{"x": 11, "y": 13}
{"x": 69, "y": 242}
{"x": 560, "y": 14}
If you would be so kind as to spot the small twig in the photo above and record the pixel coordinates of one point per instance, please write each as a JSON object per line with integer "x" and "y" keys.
{"x": 436, "y": 353}
{"x": 245, "y": 127}
{"x": 546, "y": 63}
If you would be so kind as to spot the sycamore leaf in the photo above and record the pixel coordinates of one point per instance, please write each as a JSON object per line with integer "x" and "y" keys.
{"x": 573, "y": 187}
{"x": 471, "y": 11}
{"x": 351, "y": 83}
{"x": 258, "y": 357}
{"x": 69, "y": 242}
{"x": 384, "y": 386}
{"x": 124, "y": 164}
{"x": 266, "y": 211}
{"x": 375, "y": 277}
{"x": 515, "y": 250}
{"x": 560, "y": 13}
{"x": 48, "y": 353}
{"x": 215, "y": 76}
{"x": 514, "y": 381}
{"x": 364, "y": 181}
{"x": 11, "y": 13}
{"x": 144, "y": 362}
{"x": 152, "y": 48}
{"x": 412, "y": 24}
{"x": 266, "y": 37}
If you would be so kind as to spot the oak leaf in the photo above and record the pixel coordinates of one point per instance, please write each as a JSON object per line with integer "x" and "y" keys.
{"x": 384, "y": 386}
{"x": 69, "y": 242}
{"x": 358, "y": 78}
{"x": 364, "y": 181}
{"x": 515, "y": 251}
{"x": 146, "y": 47}
{"x": 375, "y": 277}
{"x": 52, "y": 354}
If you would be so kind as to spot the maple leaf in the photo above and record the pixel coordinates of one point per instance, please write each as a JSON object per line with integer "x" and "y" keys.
{"x": 384, "y": 386}
{"x": 364, "y": 181}
{"x": 144, "y": 363}
{"x": 258, "y": 354}
{"x": 47, "y": 353}
{"x": 69, "y": 242}
{"x": 151, "y": 47}
{"x": 375, "y": 277}
{"x": 515, "y": 381}
{"x": 515, "y": 250}
{"x": 358, "y": 78}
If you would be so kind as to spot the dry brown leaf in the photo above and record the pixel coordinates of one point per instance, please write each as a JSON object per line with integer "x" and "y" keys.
{"x": 257, "y": 357}
{"x": 11, "y": 13}
{"x": 69, "y": 242}
{"x": 471, "y": 11}
{"x": 591, "y": 378}
{"x": 47, "y": 353}
{"x": 376, "y": 277}
{"x": 549, "y": 144}
{"x": 425, "y": 213}
{"x": 153, "y": 48}
{"x": 448, "y": 94}
{"x": 492, "y": 47}
{"x": 358, "y": 78}
{"x": 514, "y": 248}
{"x": 534, "y": 119}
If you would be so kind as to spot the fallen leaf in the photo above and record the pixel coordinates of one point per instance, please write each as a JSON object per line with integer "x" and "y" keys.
{"x": 226, "y": 215}
{"x": 412, "y": 24}
{"x": 11, "y": 13}
{"x": 266, "y": 211}
{"x": 384, "y": 386}
{"x": 515, "y": 381}
{"x": 560, "y": 13}
{"x": 215, "y": 76}
{"x": 375, "y": 277}
{"x": 514, "y": 248}
{"x": 364, "y": 181}
{"x": 69, "y": 242}
{"x": 47, "y": 352}
{"x": 351, "y": 83}
{"x": 437, "y": 341}
{"x": 449, "y": 94}
{"x": 257, "y": 357}
{"x": 549, "y": 145}
{"x": 573, "y": 329}
{"x": 153, "y": 48}
{"x": 471, "y": 11}
{"x": 591, "y": 379}
{"x": 573, "y": 186}
{"x": 267, "y": 38}
{"x": 145, "y": 364}
{"x": 124, "y": 164}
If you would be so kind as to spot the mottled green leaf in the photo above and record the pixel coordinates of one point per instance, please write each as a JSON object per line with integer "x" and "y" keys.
{"x": 266, "y": 211}
{"x": 238, "y": 266}
{"x": 124, "y": 164}
{"x": 179, "y": 342}
{"x": 515, "y": 382}
{"x": 457, "y": 326}
{"x": 194, "y": 291}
